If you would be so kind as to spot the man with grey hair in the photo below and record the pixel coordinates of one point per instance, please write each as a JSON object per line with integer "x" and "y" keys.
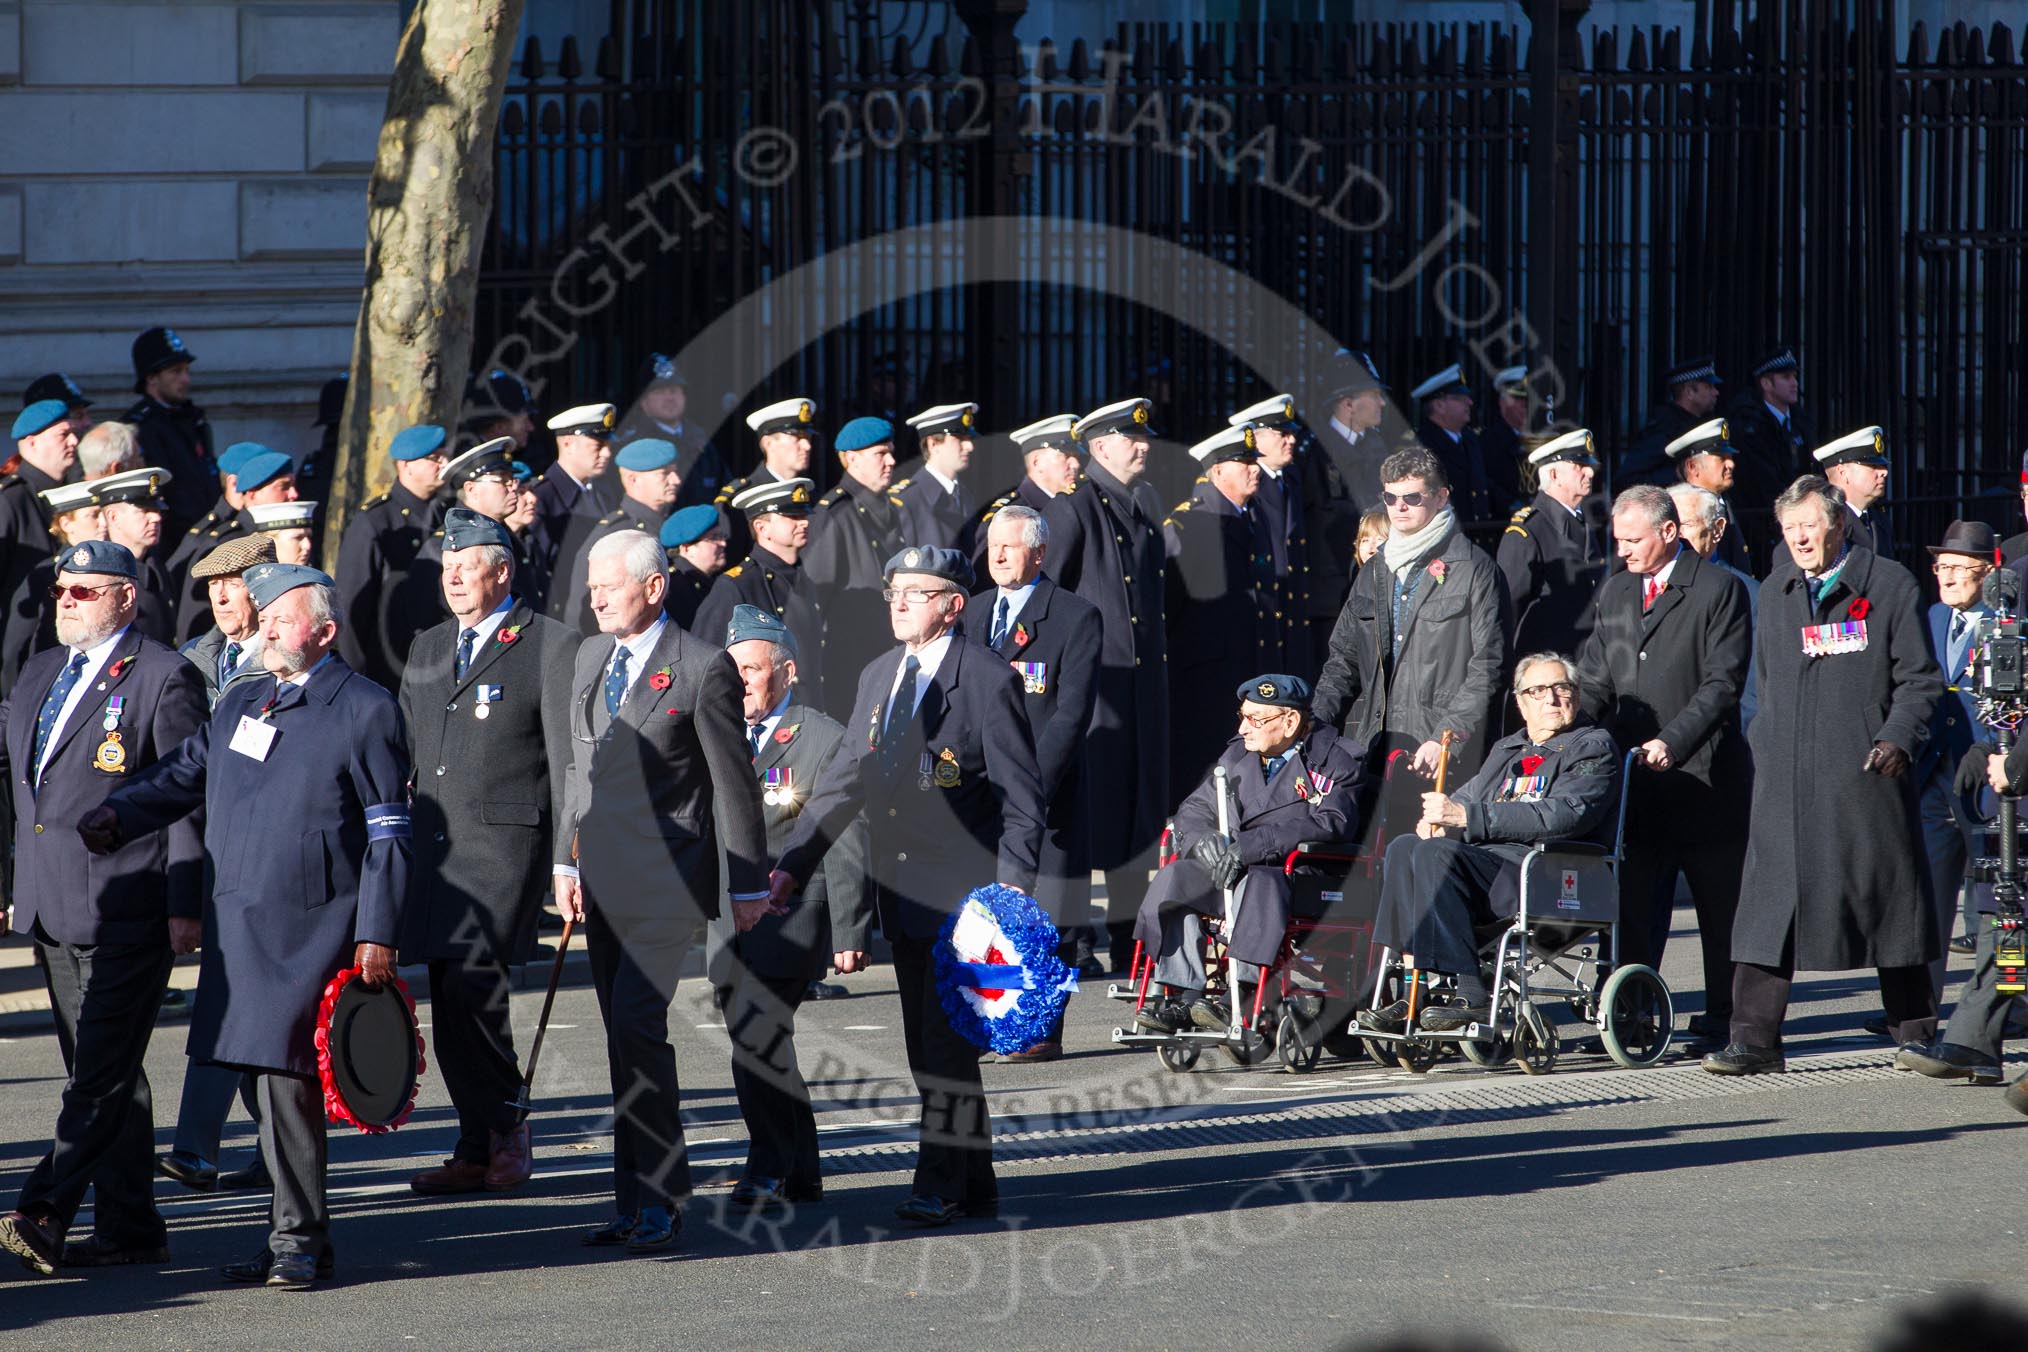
{"x": 315, "y": 755}
{"x": 1706, "y": 521}
{"x": 660, "y": 767}
{"x": 1834, "y": 878}
{"x": 109, "y": 448}
{"x": 1662, "y": 672}
{"x": 472, "y": 696}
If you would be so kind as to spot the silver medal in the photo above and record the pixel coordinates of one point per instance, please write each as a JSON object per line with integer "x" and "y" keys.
{"x": 481, "y": 710}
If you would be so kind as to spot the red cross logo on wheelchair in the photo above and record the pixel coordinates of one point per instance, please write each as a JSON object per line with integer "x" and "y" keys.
{"x": 1569, "y": 886}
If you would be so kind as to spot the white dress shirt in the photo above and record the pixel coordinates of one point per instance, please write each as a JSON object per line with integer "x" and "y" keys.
{"x": 95, "y": 661}
{"x": 639, "y": 648}
{"x": 1016, "y": 600}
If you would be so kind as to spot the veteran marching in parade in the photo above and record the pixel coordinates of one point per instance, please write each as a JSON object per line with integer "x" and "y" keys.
{"x": 582, "y": 672}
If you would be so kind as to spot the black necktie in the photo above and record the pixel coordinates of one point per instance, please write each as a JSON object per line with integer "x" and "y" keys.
{"x": 1957, "y": 627}
{"x": 753, "y": 735}
{"x": 999, "y": 634}
{"x": 52, "y": 707}
{"x": 903, "y": 708}
{"x": 466, "y": 637}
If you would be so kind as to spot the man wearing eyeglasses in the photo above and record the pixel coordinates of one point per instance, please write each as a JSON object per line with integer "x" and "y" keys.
{"x": 938, "y": 756}
{"x": 1556, "y": 779}
{"x": 83, "y": 718}
{"x": 1663, "y": 671}
{"x": 1421, "y": 643}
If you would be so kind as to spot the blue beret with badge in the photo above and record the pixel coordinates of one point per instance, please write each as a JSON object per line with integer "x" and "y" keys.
{"x": 98, "y": 556}
{"x": 645, "y": 454}
{"x": 267, "y": 583}
{"x": 949, "y": 564}
{"x": 751, "y": 622}
{"x": 260, "y": 466}
{"x": 863, "y": 432}
{"x": 39, "y": 417}
{"x": 688, "y": 526}
{"x": 1276, "y": 690}
{"x": 413, "y": 443}
{"x": 467, "y": 529}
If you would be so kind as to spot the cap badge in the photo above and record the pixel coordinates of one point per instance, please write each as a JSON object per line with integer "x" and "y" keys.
{"x": 1140, "y": 413}
{"x": 804, "y": 412}
{"x": 799, "y": 494}
{"x": 912, "y": 558}
{"x": 1266, "y": 689}
{"x": 170, "y": 337}
{"x": 664, "y": 368}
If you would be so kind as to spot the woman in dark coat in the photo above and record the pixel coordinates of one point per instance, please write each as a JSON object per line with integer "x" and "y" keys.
{"x": 1834, "y": 867}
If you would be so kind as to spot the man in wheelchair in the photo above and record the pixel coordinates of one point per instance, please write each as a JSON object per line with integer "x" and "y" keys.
{"x": 1288, "y": 780}
{"x": 1556, "y": 779}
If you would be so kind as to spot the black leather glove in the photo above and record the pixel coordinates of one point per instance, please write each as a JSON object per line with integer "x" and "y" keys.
{"x": 1972, "y": 769}
{"x": 1886, "y": 760}
{"x": 1220, "y": 859}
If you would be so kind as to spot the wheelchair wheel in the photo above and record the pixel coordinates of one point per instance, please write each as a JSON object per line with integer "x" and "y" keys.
{"x": 1638, "y": 1016}
{"x": 1490, "y": 1054}
{"x": 1535, "y": 1042}
{"x": 1297, "y": 1044}
{"x": 1417, "y": 1055}
{"x": 1382, "y": 1052}
{"x": 1178, "y": 1056}
{"x": 1250, "y": 1050}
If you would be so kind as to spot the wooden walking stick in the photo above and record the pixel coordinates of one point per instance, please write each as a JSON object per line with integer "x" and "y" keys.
{"x": 523, "y": 1101}
{"x": 1443, "y": 767}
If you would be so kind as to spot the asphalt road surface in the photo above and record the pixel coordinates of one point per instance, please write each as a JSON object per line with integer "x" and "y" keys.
{"x": 1594, "y": 1208}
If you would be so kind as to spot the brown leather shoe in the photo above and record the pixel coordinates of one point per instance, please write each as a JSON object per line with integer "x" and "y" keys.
{"x": 1046, "y": 1050}
{"x": 512, "y": 1161}
{"x": 454, "y": 1177}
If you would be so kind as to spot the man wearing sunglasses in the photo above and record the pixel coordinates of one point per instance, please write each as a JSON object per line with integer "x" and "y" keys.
{"x": 1421, "y": 643}
{"x": 1556, "y": 779}
{"x": 82, "y": 720}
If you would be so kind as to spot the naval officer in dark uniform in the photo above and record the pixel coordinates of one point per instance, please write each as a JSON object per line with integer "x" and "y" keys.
{"x": 1444, "y": 431}
{"x": 1107, "y": 546}
{"x": 484, "y": 739}
{"x": 1052, "y": 639}
{"x": 933, "y": 502}
{"x": 1279, "y": 508}
{"x": 378, "y": 549}
{"x": 1857, "y": 464}
{"x": 787, "y": 430}
{"x": 171, "y": 429}
{"x": 771, "y": 577}
{"x": 764, "y": 973}
{"x": 1221, "y": 602}
{"x": 649, "y": 481}
{"x": 84, "y": 718}
{"x": 1049, "y": 454}
{"x": 854, "y": 529}
{"x": 1703, "y": 458}
{"x": 938, "y": 756}
{"x": 1550, "y": 554}
{"x": 316, "y": 756}
{"x": 573, "y": 493}
{"x": 487, "y": 480}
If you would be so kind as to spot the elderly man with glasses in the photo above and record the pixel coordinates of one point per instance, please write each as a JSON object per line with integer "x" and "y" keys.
{"x": 1556, "y": 779}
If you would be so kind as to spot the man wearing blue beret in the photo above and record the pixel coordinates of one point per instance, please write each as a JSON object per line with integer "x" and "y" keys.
{"x": 855, "y": 529}
{"x": 262, "y": 477}
{"x": 315, "y": 756}
{"x": 171, "y": 429}
{"x": 85, "y": 717}
{"x": 45, "y": 449}
{"x": 694, "y": 537}
{"x": 649, "y": 481}
{"x": 383, "y": 612}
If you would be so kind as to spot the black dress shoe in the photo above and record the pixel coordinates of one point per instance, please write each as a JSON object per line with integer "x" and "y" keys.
{"x": 99, "y": 1252}
{"x": 254, "y": 1175}
{"x": 1964, "y": 943}
{"x": 37, "y": 1244}
{"x": 759, "y": 1190}
{"x": 1210, "y": 1015}
{"x": 192, "y": 1171}
{"x": 615, "y": 1231}
{"x": 257, "y": 1268}
{"x": 293, "y": 1272}
{"x": 1450, "y": 1018}
{"x": 1739, "y": 1059}
{"x": 1877, "y": 1027}
{"x": 656, "y": 1229}
{"x": 804, "y": 1193}
{"x": 817, "y": 990}
{"x": 1948, "y": 1061}
{"x": 1163, "y": 1016}
{"x": 1386, "y": 1019}
{"x": 927, "y": 1211}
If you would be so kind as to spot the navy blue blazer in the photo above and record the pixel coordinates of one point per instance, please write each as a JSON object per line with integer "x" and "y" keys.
{"x": 296, "y": 876}
{"x": 1954, "y": 723}
{"x": 954, "y": 804}
{"x": 127, "y": 896}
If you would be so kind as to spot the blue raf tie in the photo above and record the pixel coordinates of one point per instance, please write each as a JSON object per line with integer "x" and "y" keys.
{"x": 1271, "y": 766}
{"x": 616, "y": 682}
{"x": 52, "y": 706}
{"x": 466, "y": 638}
{"x": 903, "y": 708}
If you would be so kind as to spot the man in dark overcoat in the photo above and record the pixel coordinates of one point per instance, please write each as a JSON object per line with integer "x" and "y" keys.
{"x": 660, "y": 771}
{"x": 1289, "y": 780}
{"x": 937, "y": 755}
{"x": 763, "y": 975}
{"x": 317, "y": 756}
{"x": 1052, "y": 640}
{"x": 85, "y": 716}
{"x": 488, "y": 743}
{"x": 1662, "y": 671}
{"x": 1106, "y": 545}
{"x": 1834, "y": 875}
{"x": 1420, "y": 647}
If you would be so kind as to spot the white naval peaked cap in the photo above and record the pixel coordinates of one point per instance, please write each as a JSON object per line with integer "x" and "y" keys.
{"x": 591, "y": 420}
{"x": 282, "y": 515}
{"x": 1126, "y": 415}
{"x": 783, "y": 415}
{"x": 1867, "y": 446}
{"x": 1698, "y": 440}
{"x": 1276, "y": 408}
{"x": 1227, "y": 443}
{"x": 1574, "y": 446}
{"x": 1451, "y": 377}
{"x": 1056, "y": 432}
{"x": 943, "y": 416}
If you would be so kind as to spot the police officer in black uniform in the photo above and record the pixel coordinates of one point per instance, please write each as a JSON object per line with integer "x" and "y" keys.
{"x": 788, "y": 434}
{"x": 1220, "y": 602}
{"x": 1693, "y": 398}
{"x": 313, "y": 475}
{"x": 771, "y": 578}
{"x": 665, "y": 398}
{"x": 60, "y": 387}
{"x": 378, "y": 549}
{"x": 856, "y": 527}
{"x": 1550, "y": 554}
{"x": 933, "y": 500}
{"x": 172, "y": 430}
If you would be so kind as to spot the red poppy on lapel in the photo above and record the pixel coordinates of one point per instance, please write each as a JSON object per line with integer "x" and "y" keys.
{"x": 660, "y": 680}
{"x": 783, "y": 735}
{"x": 1436, "y": 570}
{"x": 1530, "y": 764}
{"x": 113, "y": 671}
{"x": 508, "y": 635}
{"x": 1857, "y": 610}
{"x": 1021, "y": 634}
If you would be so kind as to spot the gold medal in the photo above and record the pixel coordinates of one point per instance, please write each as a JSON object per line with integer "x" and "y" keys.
{"x": 111, "y": 756}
